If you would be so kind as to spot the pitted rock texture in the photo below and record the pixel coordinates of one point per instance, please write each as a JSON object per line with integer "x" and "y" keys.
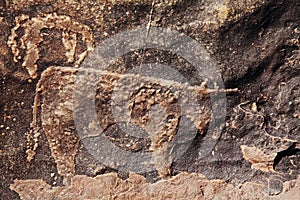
{"x": 256, "y": 46}
{"x": 36, "y": 31}
{"x": 54, "y": 107}
{"x": 182, "y": 186}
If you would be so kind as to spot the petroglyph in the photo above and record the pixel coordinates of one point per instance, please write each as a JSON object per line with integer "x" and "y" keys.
{"x": 54, "y": 107}
{"x": 33, "y": 36}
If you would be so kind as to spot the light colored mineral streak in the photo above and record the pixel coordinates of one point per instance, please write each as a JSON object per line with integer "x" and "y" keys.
{"x": 258, "y": 158}
{"x": 32, "y": 38}
{"x": 216, "y": 13}
{"x": 53, "y": 111}
{"x": 182, "y": 186}
{"x": 261, "y": 160}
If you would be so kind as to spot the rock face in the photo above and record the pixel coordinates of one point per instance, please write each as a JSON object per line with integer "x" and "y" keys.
{"x": 182, "y": 186}
{"x": 208, "y": 108}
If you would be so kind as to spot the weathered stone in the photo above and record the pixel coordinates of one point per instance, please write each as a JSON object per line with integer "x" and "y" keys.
{"x": 254, "y": 43}
{"x": 182, "y": 186}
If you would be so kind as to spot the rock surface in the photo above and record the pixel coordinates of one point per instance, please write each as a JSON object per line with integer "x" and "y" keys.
{"x": 253, "y": 153}
{"x": 182, "y": 186}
